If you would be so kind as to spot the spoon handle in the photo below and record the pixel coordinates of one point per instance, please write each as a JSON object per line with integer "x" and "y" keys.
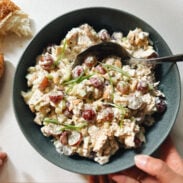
{"x": 172, "y": 58}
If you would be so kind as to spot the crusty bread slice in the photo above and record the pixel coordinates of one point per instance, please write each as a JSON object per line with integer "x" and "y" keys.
{"x": 13, "y": 19}
{"x": 1, "y": 65}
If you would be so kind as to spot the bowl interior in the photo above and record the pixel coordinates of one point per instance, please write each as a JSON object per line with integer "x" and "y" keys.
{"x": 112, "y": 20}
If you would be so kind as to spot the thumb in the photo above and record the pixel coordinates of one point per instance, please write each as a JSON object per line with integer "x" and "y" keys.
{"x": 155, "y": 167}
{"x": 3, "y": 155}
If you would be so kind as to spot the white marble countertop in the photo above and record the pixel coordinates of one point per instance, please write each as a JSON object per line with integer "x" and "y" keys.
{"x": 24, "y": 163}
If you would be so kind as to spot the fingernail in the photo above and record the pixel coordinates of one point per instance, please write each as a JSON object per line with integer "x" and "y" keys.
{"x": 141, "y": 160}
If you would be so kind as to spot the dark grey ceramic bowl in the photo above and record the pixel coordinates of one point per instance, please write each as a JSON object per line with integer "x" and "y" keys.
{"x": 112, "y": 20}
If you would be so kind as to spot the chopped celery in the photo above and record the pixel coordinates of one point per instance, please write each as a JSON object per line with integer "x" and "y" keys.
{"x": 67, "y": 74}
{"x": 62, "y": 54}
{"x": 124, "y": 39}
{"x": 49, "y": 76}
{"x": 66, "y": 126}
{"x": 151, "y": 87}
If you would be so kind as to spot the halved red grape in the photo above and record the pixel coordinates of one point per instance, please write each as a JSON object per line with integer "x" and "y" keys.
{"x": 161, "y": 105}
{"x": 56, "y": 97}
{"x": 100, "y": 69}
{"x": 123, "y": 87}
{"x": 89, "y": 114}
{"x": 74, "y": 138}
{"x": 137, "y": 142}
{"x": 107, "y": 115}
{"x": 90, "y": 61}
{"x": 77, "y": 71}
{"x": 96, "y": 82}
{"x": 46, "y": 61}
{"x": 64, "y": 137}
{"x": 104, "y": 35}
{"x": 142, "y": 86}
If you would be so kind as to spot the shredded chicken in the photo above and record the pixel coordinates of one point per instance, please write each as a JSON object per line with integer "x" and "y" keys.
{"x": 96, "y": 108}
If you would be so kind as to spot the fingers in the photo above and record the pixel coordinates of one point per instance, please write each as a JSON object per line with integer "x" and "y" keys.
{"x": 3, "y": 157}
{"x": 123, "y": 179}
{"x": 168, "y": 150}
{"x": 170, "y": 155}
{"x": 98, "y": 179}
{"x": 92, "y": 179}
{"x": 155, "y": 167}
{"x": 133, "y": 172}
{"x": 102, "y": 179}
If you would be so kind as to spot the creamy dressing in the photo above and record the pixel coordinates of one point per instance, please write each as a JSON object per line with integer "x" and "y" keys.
{"x": 95, "y": 109}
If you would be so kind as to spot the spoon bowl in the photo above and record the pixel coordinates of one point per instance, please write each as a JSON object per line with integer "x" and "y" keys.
{"x": 107, "y": 49}
{"x": 101, "y": 51}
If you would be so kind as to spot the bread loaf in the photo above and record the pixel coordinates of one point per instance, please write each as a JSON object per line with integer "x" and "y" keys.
{"x": 13, "y": 19}
{"x": 1, "y": 65}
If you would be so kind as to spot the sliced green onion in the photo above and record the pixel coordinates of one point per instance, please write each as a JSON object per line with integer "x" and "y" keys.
{"x": 66, "y": 126}
{"x": 111, "y": 83}
{"x": 121, "y": 123}
{"x": 122, "y": 108}
{"x": 51, "y": 120}
{"x": 114, "y": 68}
{"x": 78, "y": 79}
{"x": 72, "y": 127}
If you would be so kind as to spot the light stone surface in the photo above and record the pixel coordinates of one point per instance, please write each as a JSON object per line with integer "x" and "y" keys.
{"x": 24, "y": 164}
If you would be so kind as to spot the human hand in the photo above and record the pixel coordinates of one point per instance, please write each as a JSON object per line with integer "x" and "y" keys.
{"x": 151, "y": 170}
{"x": 3, "y": 157}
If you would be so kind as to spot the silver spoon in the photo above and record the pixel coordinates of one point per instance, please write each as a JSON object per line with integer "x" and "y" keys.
{"x": 106, "y": 49}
